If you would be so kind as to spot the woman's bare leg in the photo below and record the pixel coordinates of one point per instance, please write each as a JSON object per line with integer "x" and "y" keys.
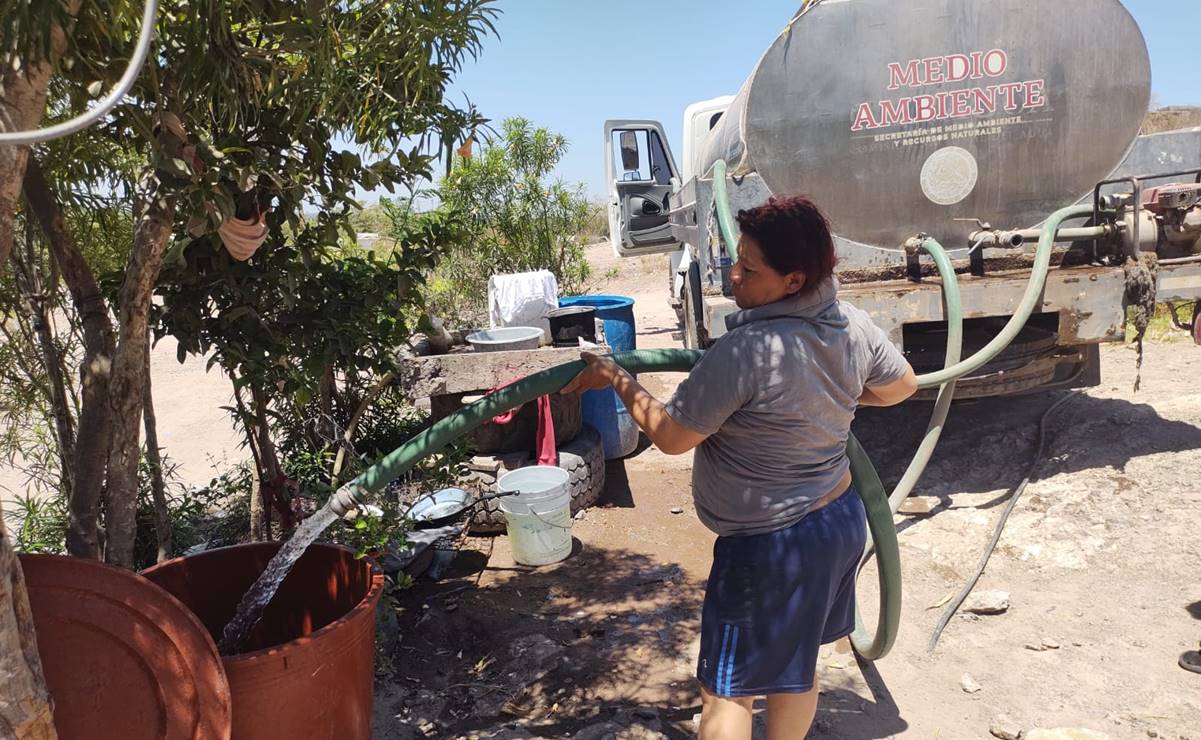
{"x": 790, "y": 715}
{"x": 724, "y": 718}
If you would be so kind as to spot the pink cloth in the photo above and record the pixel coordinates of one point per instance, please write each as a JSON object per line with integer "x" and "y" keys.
{"x": 544, "y": 439}
{"x": 243, "y": 237}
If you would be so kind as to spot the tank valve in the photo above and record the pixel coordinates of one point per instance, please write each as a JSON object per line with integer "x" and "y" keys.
{"x": 913, "y": 265}
{"x": 986, "y": 238}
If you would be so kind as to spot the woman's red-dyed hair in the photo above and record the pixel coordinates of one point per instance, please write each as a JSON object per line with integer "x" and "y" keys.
{"x": 794, "y": 236}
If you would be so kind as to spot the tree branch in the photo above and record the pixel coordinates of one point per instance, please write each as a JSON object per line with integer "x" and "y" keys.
{"x": 152, "y": 230}
{"x": 93, "y": 433}
{"x": 348, "y": 437}
{"x": 158, "y": 489}
{"x": 22, "y": 106}
{"x": 32, "y": 290}
{"x": 25, "y": 709}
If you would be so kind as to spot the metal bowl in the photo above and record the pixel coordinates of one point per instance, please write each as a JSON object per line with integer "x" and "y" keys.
{"x": 439, "y": 508}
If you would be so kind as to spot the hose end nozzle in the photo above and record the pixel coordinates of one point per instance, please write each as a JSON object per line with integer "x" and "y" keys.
{"x": 345, "y": 499}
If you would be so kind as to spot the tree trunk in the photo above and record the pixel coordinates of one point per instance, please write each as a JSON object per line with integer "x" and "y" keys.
{"x": 92, "y": 437}
{"x": 347, "y": 441}
{"x": 260, "y": 518}
{"x": 271, "y": 472}
{"x": 22, "y": 106}
{"x": 25, "y": 708}
{"x": 258, "y": 533}
{"x": 162, "y": 514}
{"x": 152, "y": 230}
{"x": 326, "y": 428}
{"x": 34, "y": 294}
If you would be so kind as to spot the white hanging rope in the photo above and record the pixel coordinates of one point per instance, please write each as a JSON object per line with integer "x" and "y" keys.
{"x": 119, "y": 91}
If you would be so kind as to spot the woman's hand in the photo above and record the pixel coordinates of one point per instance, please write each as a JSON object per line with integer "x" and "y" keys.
{"x": 598, "y": 373}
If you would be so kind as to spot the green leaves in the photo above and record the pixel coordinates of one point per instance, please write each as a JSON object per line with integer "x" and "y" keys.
{"x": 177, "y": 167}
{"x": 519, "y": 218}
{"x": 247, "y": 179}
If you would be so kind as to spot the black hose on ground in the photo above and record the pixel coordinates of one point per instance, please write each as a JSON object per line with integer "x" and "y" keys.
{"x": 960, "y": 597}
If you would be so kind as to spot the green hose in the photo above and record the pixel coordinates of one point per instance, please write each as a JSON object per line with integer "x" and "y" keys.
{"x": 953, "y": 309}
{"x": 867, "y": 481}
{"x": 954, "y": 368}
{"x": 721, "y": 201}
{"x": 529, "y": 388}
{"x": 881, "y": 506}
{"x": 1031, "y": 299}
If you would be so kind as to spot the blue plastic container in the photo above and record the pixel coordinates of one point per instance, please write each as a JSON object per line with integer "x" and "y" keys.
{"x": 617, "y": 313}
{"x": 603, "y": 409}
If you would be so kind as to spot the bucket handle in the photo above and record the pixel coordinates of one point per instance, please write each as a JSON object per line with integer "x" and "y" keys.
{"x": 539, "y": 516}
{"x": 551, "y": 524}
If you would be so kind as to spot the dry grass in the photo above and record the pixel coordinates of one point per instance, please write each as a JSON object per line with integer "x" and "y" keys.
{"x": 1170, "y": 119}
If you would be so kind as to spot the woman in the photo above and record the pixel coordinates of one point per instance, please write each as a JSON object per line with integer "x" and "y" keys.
{"x": 768, "y": 410}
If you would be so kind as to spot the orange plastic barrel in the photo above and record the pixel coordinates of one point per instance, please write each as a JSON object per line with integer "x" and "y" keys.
{"x": 307, "y": 669}
{"x": 123, "y": 658}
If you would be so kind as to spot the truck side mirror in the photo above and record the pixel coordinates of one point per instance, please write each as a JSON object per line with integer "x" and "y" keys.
{"x": 629, "y": 151}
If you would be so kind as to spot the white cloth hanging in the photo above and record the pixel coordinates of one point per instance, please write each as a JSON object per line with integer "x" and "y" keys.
{"x": 522, "y": 299}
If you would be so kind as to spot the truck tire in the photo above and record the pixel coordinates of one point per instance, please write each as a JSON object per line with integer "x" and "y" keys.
{"x": 584, "y": 460}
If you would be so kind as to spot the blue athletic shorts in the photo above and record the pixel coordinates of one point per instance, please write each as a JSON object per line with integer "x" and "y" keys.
{"x": 774, "y": 599}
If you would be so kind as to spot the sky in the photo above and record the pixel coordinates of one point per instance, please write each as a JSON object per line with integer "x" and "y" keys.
{"x": 570, "y": 64}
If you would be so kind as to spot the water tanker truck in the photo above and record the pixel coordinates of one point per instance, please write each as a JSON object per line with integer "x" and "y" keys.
{"x": 965, "y": 121}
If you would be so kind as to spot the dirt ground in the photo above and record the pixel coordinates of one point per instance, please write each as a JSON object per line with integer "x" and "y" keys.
{"x": 1099, "y": 559}
{"x": 195, "y": 433}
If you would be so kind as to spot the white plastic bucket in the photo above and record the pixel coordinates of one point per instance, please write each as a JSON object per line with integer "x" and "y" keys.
{"x": 539, "y": 517}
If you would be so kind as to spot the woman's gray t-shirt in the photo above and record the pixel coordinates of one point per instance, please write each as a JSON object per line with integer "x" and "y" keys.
{"x": 776, "y": 396}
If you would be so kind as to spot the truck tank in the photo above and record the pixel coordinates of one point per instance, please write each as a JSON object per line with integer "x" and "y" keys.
{"x": 904, "y": 116}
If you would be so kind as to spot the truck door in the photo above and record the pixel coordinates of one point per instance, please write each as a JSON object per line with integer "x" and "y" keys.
{"x": 639, "y": 169}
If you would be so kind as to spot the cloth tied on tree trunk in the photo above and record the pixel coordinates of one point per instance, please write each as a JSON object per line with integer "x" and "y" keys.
{"x": 243, "y": 237}
{"x": 544, "y": 439}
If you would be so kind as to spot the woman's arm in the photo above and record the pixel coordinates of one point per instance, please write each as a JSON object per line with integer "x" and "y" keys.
{"x": 890, "y": 394}
{"x": 670, "y": 436}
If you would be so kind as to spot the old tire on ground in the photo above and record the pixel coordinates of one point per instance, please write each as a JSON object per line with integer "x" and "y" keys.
{"x": 491, "y": 438}
{"x": 583, "y": 458}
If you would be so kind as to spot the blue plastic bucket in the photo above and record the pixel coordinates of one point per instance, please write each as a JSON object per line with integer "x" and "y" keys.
{"x": 603, "y": 409}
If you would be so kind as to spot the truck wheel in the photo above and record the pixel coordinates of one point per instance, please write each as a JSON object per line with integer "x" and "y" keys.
{"x": 584, "y": 460}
